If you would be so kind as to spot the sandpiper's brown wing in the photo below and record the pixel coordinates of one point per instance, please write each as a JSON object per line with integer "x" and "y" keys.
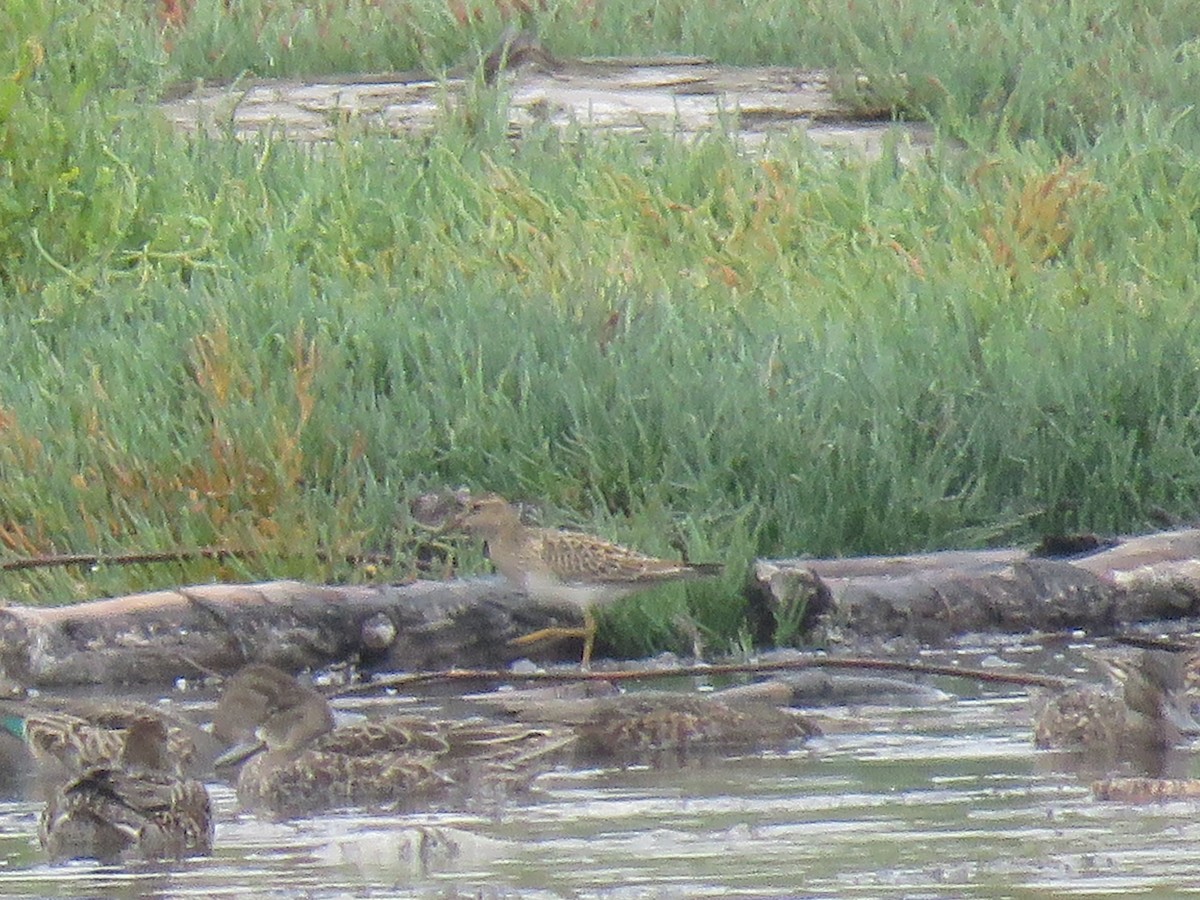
{"x": 578, "y": 557}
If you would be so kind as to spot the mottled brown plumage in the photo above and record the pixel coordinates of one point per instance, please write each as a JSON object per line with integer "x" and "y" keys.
{"x": 1146, "y": 790}
{"x": 657, "y": 726}
{"x": 1145, "y": 710}
{"x": 130, "y": 809}
{"x": 305, "y": 764}
{"x": 65, "y": 737}
{"x": 567, "y": 566}
{"x": 78, "y": 741}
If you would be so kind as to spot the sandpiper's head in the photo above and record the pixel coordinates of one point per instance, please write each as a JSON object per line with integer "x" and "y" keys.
{"x": 487, "y": 515}
{"x": 262, "y": 702}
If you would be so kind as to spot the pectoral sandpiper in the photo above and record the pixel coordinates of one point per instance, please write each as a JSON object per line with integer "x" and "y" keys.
{"x": 567, "y": 566}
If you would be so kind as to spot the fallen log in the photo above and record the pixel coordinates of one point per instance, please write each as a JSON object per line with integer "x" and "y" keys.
{"x": 191, "y": 632}
{"x": 162, "y": 636}
{"x": 673, "y": 95}
{"x": 935, "y": 596}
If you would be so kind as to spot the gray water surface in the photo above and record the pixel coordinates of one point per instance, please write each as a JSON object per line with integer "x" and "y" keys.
{"x": 945, "y": 800}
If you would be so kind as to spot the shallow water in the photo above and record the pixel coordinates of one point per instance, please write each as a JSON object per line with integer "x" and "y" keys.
{"x": 948, "y": 799}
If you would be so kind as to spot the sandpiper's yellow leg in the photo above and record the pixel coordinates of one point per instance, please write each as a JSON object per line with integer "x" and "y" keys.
{"x": 589, "y": 638}
{"x": 550, "y": 633}
{"x": 557, "y": 632}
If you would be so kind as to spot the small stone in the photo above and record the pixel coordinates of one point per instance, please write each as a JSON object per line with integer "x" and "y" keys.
{"x": 378, "y": 632}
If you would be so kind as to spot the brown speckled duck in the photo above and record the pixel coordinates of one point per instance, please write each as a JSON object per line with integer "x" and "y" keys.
{"x": 61, "y": 737}
{"x": 657, "y": 727}
{"x": 133, "y": 808}
{"x": 1145, "y": 711}
{"x": 300, "y": 762}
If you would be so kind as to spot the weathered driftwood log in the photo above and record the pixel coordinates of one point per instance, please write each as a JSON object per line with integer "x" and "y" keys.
{"x": 160, "y": 636}
{"x": 934, "y": 596}
{"x": 679, "y": 96}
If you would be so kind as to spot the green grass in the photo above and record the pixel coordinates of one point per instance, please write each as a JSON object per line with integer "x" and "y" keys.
{"x": 272, "y": 347}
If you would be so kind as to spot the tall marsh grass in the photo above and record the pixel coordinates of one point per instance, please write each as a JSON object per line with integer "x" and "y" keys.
{"x": 272, "y": 346}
